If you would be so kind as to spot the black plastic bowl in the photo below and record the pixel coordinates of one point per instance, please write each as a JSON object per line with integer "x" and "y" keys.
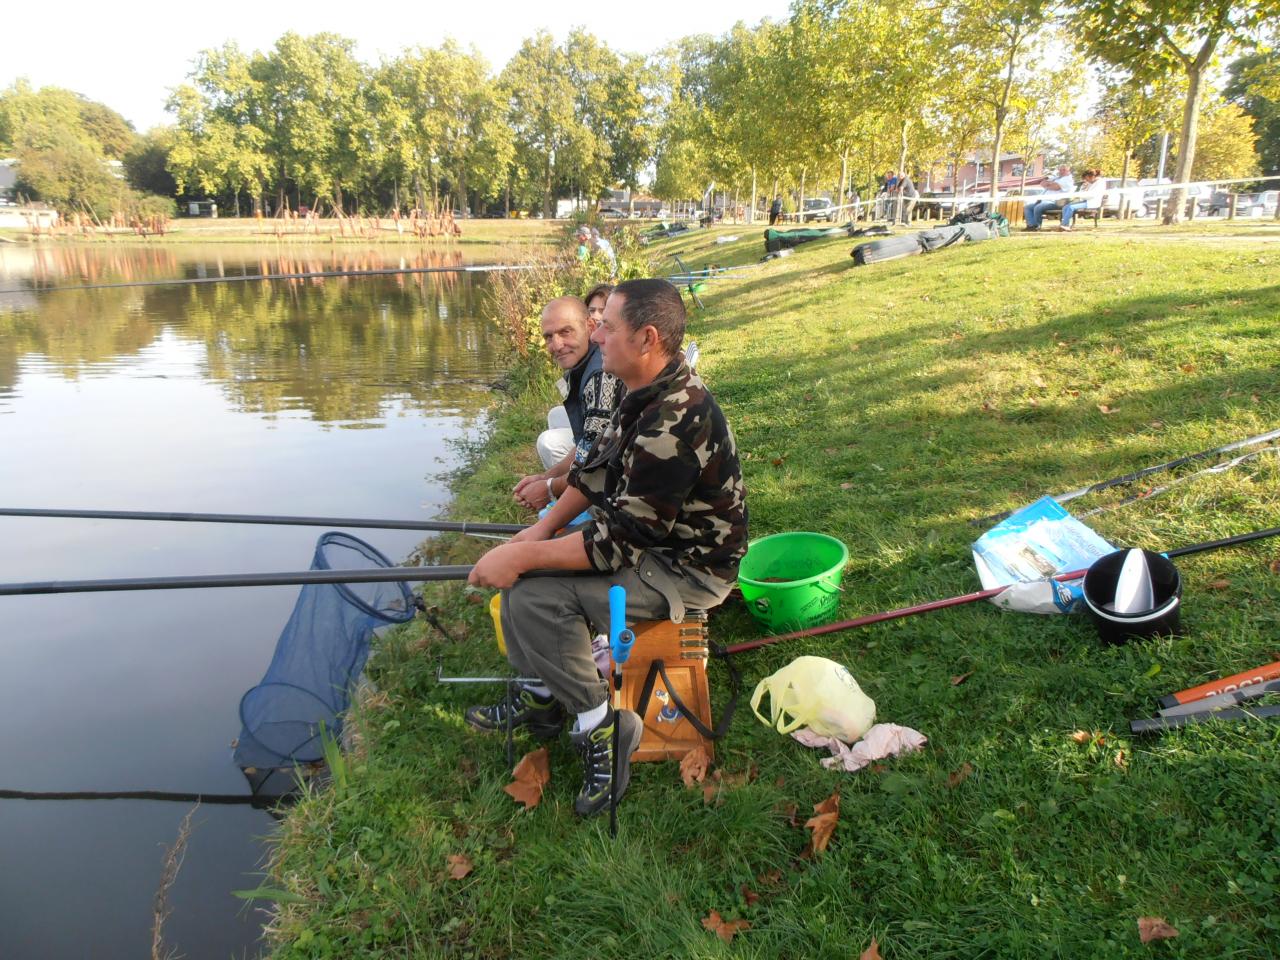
{"x": 1161, "y": 620}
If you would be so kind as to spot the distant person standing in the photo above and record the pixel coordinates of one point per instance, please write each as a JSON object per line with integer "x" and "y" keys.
{"x": 775, "y": 210}
{"x": 603, "y": 247}
{"x": 908, "y": 196}
{"x": 1061, "y": 184}
{"x": 884, "y": 197}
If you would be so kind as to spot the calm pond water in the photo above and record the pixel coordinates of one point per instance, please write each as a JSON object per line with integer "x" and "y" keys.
{"x": 337, "y": 397}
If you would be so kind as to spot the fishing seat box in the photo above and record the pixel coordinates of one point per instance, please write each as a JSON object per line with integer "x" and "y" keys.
{"x": 683, "y": 650}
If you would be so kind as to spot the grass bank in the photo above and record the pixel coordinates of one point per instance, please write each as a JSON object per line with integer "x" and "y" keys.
{"x": 888, "y": 406}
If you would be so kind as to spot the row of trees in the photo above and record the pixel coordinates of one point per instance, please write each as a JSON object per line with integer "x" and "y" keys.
{"x": 307, "y": 123}
{"x": 835, "y": 94}
{"x": 81, "y": 156}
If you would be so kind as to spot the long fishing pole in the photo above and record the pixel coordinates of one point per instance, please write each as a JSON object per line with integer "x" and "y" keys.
{"x": 365, "y": 575}
{"x": 1139, "y": 474}
{"x": 437, "y": 526}
{"x": 975, "y": 597}
{"x": 311, "y": 275}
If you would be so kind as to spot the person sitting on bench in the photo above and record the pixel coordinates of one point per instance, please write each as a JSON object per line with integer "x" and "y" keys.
{"x": 668, "y": 521}
{"x": 1062, "y": 183}
{"x": 1094, "y": 186}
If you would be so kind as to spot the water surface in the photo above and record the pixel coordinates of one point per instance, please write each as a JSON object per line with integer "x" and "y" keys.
{"x": 338, "y": 397}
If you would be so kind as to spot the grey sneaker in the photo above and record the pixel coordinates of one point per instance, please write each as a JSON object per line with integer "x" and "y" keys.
{"x": 596, "y": 748}
{"x": 544, "y": 718}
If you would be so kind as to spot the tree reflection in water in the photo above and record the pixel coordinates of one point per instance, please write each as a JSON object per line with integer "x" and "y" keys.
{"x": 346, "y": 350}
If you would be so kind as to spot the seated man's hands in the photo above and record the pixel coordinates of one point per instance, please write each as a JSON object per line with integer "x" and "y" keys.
{"x": 498, "y": 569}
{"x": 531, "y": 491}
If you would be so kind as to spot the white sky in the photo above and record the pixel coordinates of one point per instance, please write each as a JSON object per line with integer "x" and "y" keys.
{"x": 129, "y": 54}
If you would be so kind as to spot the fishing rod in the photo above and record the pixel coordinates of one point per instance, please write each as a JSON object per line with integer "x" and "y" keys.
{"x": 975, "y": 597}
{"x": 366, "y": 575}
{"x": 1139, "y": 474}
{"x": 436, "y": 526}
{"x": 311, "y": 275}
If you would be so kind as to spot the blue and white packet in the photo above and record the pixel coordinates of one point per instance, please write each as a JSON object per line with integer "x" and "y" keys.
{"x": 1026, "y": 550}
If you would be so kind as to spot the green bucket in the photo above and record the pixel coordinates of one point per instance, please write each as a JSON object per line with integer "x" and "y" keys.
{"x": 791, "y": 581}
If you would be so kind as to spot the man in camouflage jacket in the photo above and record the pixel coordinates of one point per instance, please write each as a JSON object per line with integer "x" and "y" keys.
{"x": 668, "y": 521}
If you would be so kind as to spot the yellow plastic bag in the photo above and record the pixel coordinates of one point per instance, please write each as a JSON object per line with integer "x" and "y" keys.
{"x": 817, "y": 693}
{"x": 495, "y": 611}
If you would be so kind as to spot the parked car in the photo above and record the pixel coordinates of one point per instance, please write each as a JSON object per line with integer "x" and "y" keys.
{"x": 1247, "y": 204}
{"x": 611, "y": 213}
{"x": 1152, "y": 197}
{"x": 818, "y": 208}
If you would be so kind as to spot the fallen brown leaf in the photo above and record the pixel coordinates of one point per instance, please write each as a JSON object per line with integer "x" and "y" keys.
{"x": 459, "y": 865}
{"x": 1218, "y": 585}
{"x": 770, "y": 878}
{"x": 777, "y": 461}
{"x": 790, "y": 810}
{"x": 693, "y": 768}
{"x": 1121, "y": 759}
{"x": 724, "y": 929}
{"x": 531, "y": 774}
{"x": 1156, "y": 424}
{"x": 830, "y": 451}
{"x": 1155, "y": 928}
{"x": 782, "y": 781}
{"x": 1187, "y": 367}
{"x": 1274, "y": 566}
{"x": 1082, "y": 736}
{"x": 872, "y": 952}
{"x": 961, "y": 678}
{"x": 1103, "y": 408}
{"x": 749, "y": 895}
{"x": 824, "y": 824}
{"x": 959, "y": 776}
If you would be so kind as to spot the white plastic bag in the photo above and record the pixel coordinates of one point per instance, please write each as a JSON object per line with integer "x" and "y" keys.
{"x": 817, "y": 693}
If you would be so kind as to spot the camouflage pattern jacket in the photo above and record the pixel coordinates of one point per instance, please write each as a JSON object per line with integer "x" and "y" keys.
{"x": 666, "y": 493}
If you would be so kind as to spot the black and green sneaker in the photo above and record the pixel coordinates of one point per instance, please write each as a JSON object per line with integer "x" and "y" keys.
{"x": 543, "y": 717}
{"x": 596, "y": 747}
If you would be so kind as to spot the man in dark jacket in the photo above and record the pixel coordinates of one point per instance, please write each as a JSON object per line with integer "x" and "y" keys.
{"x": 775, "y": 210}
{"x": 668, "y": 521}
{"x": 589, "y": 394}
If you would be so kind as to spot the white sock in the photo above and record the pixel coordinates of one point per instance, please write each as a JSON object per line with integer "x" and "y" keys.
{"x": 539, "y": 690}
{"x": 591, "y": 719}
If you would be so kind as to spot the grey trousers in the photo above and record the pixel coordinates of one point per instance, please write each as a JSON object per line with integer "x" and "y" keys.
{"x": 545, "y": 626}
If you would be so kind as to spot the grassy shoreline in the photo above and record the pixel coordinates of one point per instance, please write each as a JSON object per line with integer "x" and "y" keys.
{"x": 887, "y": 406}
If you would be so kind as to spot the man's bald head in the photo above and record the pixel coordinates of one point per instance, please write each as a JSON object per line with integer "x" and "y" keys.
{"x": 565, "y": 331}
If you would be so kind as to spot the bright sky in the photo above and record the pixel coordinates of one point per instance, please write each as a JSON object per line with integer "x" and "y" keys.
{"x": 129, "y": 54}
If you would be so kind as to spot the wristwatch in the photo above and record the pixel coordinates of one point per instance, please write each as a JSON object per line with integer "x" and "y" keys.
{"x": 551, "y": 494}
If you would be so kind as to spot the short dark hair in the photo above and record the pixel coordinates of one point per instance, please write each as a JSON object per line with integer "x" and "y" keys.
{"x": 599, "y": 290}
{"x": 654, "y": 303}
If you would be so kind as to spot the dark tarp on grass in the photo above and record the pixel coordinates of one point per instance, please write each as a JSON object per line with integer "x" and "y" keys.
{"x": 775, "y": 240}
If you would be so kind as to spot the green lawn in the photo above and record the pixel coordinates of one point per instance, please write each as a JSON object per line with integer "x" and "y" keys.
{"x": 888, "y": 406}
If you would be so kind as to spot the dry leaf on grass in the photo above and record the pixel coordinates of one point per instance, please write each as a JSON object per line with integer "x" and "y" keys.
{"x": 1121, "y": 759}
{"x": 960, "y": 678}
{"x": 459, "y": 865}
{"x": 1218, "y": 585}
{"x": 957, "y": 777}
{"x": 872, "y": 952}
{"x": 1103, "y": 408}
{"x": 749, "y": 895}
{"x": 1274, "y": 566}
{"x": 770, "y": 878}
{"x": 790, "y": 811}
{"x": 693, "y": 767}
{"x": 724, "y": 929}
{"x": 1155, "y": 928}
{"x": 1187, "y": 367}
{"x": 824, "y": 824}
{"x": 1082, "y": 736}
{"x": 531, "y": 774}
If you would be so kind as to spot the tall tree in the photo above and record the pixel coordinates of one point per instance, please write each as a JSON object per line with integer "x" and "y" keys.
{"x": 1170, "y": 36}
{"x": 1254, "y": 84}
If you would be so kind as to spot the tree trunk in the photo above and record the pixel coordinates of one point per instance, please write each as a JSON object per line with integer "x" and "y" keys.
{"x": 237, "y": 203}
{"x": 1122, "y": 211}
{"x": 800, "y": 205}
{"x": 462, "y": 190}
{"x": 1187, "y": 140}
{"x": 751, "y": 213}
{"x": 340, "y": 207}
{"x": 547, "y": 209}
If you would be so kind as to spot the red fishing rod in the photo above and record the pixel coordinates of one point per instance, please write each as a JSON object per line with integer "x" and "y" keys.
{"x": 972, "y": 597}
